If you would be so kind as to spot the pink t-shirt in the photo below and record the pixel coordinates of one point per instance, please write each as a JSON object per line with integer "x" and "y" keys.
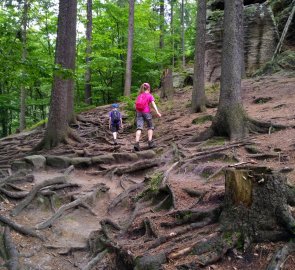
{"x": 150, "y": 98}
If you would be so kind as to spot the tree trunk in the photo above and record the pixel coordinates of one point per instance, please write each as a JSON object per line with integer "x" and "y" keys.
{"x": 127, "y": 90}
{"x": 167, "y": 89}
{"x": 182, "y": 33}
{"x": 172, "y": 32}
{"x": 61, "y": 108}
{"x": 198, "y": 93}
{"x": 22, "y": 114}
{"x": 162, "y": 21}
{"x": 230, "y": 119}
{"x": 88, "y": 95}
{"x": 256, "y": 205}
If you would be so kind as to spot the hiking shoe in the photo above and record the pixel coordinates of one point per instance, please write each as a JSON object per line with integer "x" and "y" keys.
{"x": 151, "y": 144}
{"x": 136, "y": 147}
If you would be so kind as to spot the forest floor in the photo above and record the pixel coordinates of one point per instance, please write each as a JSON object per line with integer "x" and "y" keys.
{"x": 115, "y": 172}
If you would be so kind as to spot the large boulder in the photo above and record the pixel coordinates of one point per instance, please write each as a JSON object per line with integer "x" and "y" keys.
{"x": 260, "y": 38}
{"x": 37, "y": 161}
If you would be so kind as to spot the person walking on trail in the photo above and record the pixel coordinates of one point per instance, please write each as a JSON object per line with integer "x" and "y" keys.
{"x": 143, "y": 114}
{"x": 115, "y": 121}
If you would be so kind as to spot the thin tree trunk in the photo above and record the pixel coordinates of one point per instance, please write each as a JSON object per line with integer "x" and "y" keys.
{"x": 22, "y": 115}
{"x": 198, "y": 93}
{"x": 172, "y": 32}
{"x": 182, "y": 33}
{"x": 279, "y": 46}
{"x": 88, "y": 95}
{"x": 162, "y": 20}
{"x": 127, "y": 90}
{"x": 167, "y": 89}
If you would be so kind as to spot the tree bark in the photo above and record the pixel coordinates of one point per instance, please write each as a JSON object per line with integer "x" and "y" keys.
{"x": 162, "y": 21}
{"x": 182, "y": 33}
{"x": 256, "y": 205}
{"x": 127, "y": 90}
{"x": 167, "y": 89}
{"x": 198, "y": 93}
{"x": 231, "y": 119}
{"x": 62, "y": 102}
{"x": 88, "y": 95}
{"x": 22, "y": 115}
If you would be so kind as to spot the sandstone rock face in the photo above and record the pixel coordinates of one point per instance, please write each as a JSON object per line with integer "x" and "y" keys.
{"x": 260, "y": 39}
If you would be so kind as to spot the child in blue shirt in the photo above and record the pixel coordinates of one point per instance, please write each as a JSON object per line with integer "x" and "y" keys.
{"x": 115, "y": 121}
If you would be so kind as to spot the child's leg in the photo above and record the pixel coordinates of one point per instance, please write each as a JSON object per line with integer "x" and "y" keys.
{"x": 137, "y": 135}
{"x": 150, "y": 134}
{"x": 115, "y": 135}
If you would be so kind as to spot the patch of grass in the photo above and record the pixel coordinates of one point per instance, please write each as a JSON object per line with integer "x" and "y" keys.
{"x": 202, "y": 119}
{"x": 186, "y": 215}
{"x": 212, "y": 88}
{"x": 39, "y": 124}
{"x": 153, "y": 188}
{"x": 216, "y": 141}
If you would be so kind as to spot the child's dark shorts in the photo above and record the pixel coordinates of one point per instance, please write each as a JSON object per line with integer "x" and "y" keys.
{"x": 115, "y": 127}
{"x": 144, "y": 117}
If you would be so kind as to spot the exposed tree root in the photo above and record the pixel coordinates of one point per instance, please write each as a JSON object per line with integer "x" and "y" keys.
{"x": 280, "y": 256}
{"x": 191, "y": 216}
{"x": 19, "y": 228}
{"x": 95, "y": 260}
{"x": 124, "y": 195}
{"x": 69, "y": 170}
{"x": 256, "y": 126}
{"x": 75, "y": 203}
{"x": 13, "y": 255}
{"x": 138, "y": 166}
{"x": 18, "y": 177}
{"x": 34, "y": 191}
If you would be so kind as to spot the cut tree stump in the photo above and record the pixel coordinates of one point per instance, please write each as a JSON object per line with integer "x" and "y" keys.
{"x": 256, "y": 205}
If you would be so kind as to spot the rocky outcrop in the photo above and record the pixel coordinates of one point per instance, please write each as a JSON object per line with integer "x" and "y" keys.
{"x": 260, "y": 39}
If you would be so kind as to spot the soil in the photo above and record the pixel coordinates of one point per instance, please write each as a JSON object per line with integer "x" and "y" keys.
{"x": 267, "y": 98}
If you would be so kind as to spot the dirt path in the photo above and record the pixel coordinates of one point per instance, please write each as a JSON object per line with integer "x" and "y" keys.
{"x": 66, "y": 246}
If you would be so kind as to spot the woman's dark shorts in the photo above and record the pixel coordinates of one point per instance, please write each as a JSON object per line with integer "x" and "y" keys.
{"x": 115, "y": 127}
{"x": 144, "y": 117}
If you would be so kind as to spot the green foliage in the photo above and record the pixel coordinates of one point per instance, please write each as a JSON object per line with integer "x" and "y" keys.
{"x": 39, "y": 124}
{"x": 216, "y": 141}
{"x": 283, "y": 62}
{"x": 152, "y": 190}
{"x": 202, "y": 119}
{"x": 212, "y": 88}
{"x": 108, "y": 56}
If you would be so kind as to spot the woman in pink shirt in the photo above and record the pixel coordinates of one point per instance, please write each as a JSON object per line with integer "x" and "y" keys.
{"x": 143, "y": 114}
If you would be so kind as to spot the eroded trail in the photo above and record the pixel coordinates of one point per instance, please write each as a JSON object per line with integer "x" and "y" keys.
{"x": 157, "y": 205}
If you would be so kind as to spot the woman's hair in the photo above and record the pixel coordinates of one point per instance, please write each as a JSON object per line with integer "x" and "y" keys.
{"x": 144, "y": 86}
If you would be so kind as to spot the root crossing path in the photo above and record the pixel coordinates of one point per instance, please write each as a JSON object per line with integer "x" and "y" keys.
{"x": 182, "y": 205}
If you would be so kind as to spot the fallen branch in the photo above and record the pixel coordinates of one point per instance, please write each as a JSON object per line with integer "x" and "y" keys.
{"x": 34, "y": 191}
